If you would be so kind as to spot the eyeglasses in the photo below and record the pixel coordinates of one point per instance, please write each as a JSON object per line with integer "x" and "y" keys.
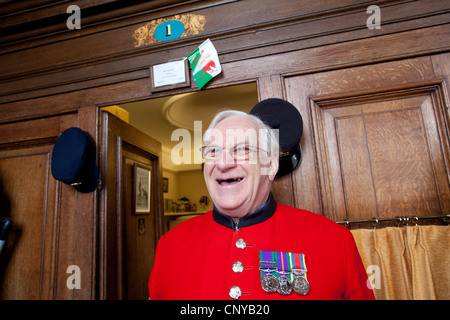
{"x": 238, "y": 152}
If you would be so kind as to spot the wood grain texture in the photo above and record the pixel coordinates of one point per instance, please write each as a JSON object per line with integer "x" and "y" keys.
{"x": 381, "y": 148}
{"x": 41, "y": 244}
{"x": 125, "y": 257}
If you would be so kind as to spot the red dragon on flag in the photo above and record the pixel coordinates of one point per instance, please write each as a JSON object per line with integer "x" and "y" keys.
{"x": 204, "y": 63}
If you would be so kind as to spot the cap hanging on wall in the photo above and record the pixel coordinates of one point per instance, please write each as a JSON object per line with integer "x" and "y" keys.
{"x": 73, "y": 160}
{"x": 282, "y": 115}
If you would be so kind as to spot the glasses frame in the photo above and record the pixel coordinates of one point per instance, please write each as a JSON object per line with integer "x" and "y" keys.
{"x": 252, "y": 151}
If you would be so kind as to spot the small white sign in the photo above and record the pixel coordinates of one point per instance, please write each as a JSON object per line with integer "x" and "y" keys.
{"x": 169, "y": 73}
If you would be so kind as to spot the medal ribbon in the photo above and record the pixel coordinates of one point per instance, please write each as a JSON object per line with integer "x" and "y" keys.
{"x": 286, "y": 263}
{"x": 267, "y": 261}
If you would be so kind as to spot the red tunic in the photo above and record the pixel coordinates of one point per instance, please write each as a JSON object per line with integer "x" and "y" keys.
{"x": 194, "y": 260}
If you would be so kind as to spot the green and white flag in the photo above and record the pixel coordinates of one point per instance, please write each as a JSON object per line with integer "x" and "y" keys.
{"x": 204, "y": 63}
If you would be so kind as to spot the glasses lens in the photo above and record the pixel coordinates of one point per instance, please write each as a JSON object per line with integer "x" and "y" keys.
{"x": 211, "y": 152}
{"x": 242, "y": 152}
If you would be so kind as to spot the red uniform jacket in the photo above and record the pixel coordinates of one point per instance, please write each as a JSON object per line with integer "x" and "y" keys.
{"x": 194, "y": 260}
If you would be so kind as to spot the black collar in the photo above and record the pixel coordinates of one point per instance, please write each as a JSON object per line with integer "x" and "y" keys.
{"x": 262, "y": 214}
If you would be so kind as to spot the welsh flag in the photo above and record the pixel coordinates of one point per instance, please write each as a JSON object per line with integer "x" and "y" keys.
{"x": 204, "y": 63}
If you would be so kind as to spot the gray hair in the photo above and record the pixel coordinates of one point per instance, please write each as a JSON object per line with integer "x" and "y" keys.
{"x": 271, "y": 135}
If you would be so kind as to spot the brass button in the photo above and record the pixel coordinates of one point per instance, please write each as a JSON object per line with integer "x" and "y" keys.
{"x": 235, "y": 292}
{"x": 240, "y": 243}
{"x": 238, "y": 267}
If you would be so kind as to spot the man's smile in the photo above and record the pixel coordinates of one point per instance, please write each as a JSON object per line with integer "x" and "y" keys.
{"x": 229, "y": 181}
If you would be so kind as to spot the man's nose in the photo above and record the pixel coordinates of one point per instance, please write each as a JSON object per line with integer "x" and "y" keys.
{"x": 226, "y": 160}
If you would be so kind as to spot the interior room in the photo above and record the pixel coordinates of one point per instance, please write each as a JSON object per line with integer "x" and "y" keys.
{"x": 185, "y": 192}
{"x": 370, "y": 78}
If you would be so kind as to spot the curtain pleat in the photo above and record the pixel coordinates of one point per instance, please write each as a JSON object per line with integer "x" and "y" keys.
{"x": 407, "y": 262}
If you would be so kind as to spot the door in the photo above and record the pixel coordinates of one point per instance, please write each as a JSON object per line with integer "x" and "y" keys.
{"x": 130, "y": 209}
{"x": 376, "y": 140}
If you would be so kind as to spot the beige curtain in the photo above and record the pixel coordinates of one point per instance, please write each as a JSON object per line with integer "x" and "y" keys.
{"x": 407, "y": 262}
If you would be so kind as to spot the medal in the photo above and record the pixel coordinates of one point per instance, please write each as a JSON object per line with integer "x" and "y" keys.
{"x": 300, "y": 285}
{"x": 283, "y": 272}
{"x": 269, "y": 283}
{"x": 285, "y": 285}
{"x": 267, "y": 267}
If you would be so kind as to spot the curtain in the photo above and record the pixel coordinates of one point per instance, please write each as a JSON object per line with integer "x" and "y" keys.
{"x": 410, "y": 262}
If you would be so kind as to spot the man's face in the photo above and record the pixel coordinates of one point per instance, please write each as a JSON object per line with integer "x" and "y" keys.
{"x": 238, "y": 187}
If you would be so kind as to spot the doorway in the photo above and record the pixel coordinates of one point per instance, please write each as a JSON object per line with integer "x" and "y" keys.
{"x": 141, "y": 147}
{"x": 184, "y": 190}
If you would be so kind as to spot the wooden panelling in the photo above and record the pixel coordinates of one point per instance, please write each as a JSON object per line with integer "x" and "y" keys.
{"x": 272, "y": 87}
{"x": 380, "y": 154}
{"x": 46, "y": 236}
{"x": 380, "y": 134}
{"x": 240, "y": 30}
{"x": 306, "y": 190}
{"x": 28, "y": 274}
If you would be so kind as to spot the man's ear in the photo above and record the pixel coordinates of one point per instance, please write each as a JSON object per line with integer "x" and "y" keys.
{"x": 273, "y": 167}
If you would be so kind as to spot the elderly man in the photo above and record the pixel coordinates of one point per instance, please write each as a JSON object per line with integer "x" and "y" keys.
{"x": 249, "y": 246}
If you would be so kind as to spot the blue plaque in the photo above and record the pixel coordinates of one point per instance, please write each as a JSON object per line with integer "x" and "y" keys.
{"x": 169, "y": 30}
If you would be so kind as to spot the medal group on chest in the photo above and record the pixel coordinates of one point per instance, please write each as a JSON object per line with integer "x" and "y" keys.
{"x": 283, "y": 272}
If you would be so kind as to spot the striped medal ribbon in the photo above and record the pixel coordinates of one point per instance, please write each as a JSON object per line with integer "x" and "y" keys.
{"x": 283, "y": 272}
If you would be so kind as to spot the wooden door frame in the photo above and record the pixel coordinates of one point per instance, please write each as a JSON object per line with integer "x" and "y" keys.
{"x": 111, "y": 229}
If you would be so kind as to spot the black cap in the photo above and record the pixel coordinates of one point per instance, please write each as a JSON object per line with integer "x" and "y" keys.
{"x": 5, "y": 227}
{"x": 282, "y": 115}
{"x": 73, "y": 160}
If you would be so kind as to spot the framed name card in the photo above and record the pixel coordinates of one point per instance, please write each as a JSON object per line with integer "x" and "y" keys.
{"x": 170, "y": 75}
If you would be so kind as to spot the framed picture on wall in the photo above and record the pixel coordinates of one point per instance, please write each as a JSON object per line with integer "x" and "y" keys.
{"x": 165, "y": 185}
{"x": 141, "y": 189}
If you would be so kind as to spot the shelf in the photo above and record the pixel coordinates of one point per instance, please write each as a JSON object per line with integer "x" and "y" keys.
{"x": 184, "y": 213}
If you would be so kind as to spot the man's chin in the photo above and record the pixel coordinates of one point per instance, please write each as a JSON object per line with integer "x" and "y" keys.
{"x": 233, "y": 209}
